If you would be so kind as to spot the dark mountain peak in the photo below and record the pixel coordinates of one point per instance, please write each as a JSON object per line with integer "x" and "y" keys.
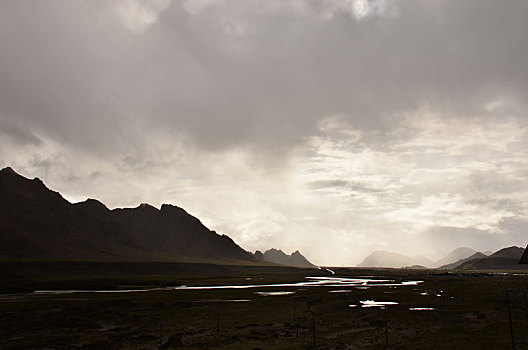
{"x": 91, "y": 212}
{"x": 144, "y": 209}
{"x": 503, "y": 259}
{"x": 509, "y": 252}
{"x": 8, "y": 171}
{"x": 279, "y": 257}
{"x": 524, "y": 257}
{"x": 94, "y": 204}
{"x": 58, "y": 229}
{"x": 172, "y": 212}
{"x": 8, "y": 174}
{"x": 146, "y": 206}
{"x": 224, "y": 236}
{"x": 173, "y": 208}
{"x": 94, "y": 201}
{"x": 40, "y": 185}
{"x": 259, "y": 256}
{"x": 21, "y": 189}
{"x": 9, "y": 178}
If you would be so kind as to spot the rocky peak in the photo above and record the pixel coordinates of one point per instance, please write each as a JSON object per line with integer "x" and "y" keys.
{"x": 279, "y": 257}
{"x": 8, "y": 171}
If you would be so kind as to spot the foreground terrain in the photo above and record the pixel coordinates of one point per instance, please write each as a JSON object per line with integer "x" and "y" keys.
{"x": 470, "y": 309}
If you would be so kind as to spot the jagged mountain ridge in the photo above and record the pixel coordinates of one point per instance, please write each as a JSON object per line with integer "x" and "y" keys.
{"x": 37, "y": 223}
{"x": 279, "y": 257}
{"x": 383, "y": 258}
{"x": 504, "y": 259}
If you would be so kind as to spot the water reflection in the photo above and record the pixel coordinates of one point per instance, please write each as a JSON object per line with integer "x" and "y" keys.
{"x": 337, "y": 282}
{"x": 315, "y": 282}
{"x": 274, "y": 293}
{"x": 372, "y": 303}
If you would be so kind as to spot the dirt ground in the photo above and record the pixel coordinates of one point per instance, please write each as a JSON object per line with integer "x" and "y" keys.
{"x": 470, "y": 312}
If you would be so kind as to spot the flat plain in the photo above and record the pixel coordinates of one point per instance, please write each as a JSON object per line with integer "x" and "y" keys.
{"x": 431, "y": 310}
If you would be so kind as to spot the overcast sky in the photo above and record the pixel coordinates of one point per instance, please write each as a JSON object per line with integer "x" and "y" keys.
{"x": 336, "y": 127}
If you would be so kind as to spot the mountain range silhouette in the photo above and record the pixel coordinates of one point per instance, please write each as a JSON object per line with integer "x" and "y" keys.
{"x": 37, "y": 223}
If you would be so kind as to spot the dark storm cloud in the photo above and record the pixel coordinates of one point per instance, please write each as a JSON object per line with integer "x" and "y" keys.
{"x": 328, "y": 183}
{"x": 18, "y": 134}
{"x": 235, "y": 73}
{"x": 343, "y": 185}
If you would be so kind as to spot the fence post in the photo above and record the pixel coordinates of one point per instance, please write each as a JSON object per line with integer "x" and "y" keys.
{"x": 386, "y": 328}
{"x": 526, "y": 303}
{"x": 314, "y": 333}
{"x": 415, "y": 330}
{"x": 510, "y": 318}
{"x": 161, "y": 335}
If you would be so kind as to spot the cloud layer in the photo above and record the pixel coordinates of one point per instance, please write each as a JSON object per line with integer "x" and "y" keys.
{"x": 336, "y": 127}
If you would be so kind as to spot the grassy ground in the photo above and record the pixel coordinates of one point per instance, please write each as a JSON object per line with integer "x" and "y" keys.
{"x": 471, "y": 313}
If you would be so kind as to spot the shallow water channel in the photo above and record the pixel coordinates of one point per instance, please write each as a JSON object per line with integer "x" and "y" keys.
{"x": 337, "y": 282}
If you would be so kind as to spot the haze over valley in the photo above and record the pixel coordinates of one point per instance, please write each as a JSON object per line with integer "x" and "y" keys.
{"x": 38, "y": 224}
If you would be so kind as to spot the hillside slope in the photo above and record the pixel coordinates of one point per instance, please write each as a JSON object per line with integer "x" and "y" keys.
{"x": 504, "y": 259}
{"x": 37, "y": 223}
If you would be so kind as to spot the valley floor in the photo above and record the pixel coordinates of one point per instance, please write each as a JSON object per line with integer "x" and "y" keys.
{"x": 470, "y": 312}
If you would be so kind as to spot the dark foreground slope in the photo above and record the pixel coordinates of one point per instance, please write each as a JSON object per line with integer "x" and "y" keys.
{"x": 38, "y": 224}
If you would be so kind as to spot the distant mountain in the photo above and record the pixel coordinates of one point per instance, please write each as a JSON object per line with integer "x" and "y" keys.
{"x": 416, "y": 267}
{"x": 390, "y": 259}
{"x": 524, "y": 257}
{"x": 455, "y": 256}
{"x": 37, "y": 223}
{"x": 510, "y": 253}
{"x": 504, "y": 259}
{"x": 383, "y": 258}
{"x": 456, "y": 265}
{"x": 279, "y": 257}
